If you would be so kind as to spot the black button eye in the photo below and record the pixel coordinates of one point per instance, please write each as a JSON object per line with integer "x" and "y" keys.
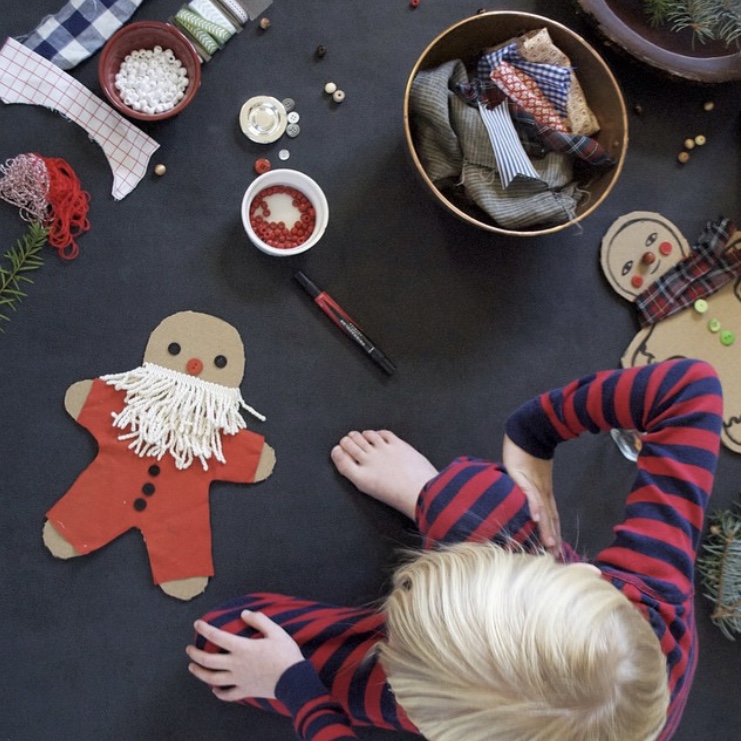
{"x": 220, "y": 361}
{"x": 173, "y": 348}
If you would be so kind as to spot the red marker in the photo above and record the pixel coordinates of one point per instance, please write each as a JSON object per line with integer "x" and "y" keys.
{"x": 348, "y": 325}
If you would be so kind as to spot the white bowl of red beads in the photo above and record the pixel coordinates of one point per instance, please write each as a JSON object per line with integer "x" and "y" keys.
{"x": 284, "y": 212}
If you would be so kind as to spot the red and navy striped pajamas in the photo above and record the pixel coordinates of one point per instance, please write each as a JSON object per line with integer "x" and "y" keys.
{"x": 676, "y": 405}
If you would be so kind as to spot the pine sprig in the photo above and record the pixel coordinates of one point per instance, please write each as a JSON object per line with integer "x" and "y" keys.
{"x": 709, "y": 20}
{"x": 23, "y": 257}
{"x": 720, "y": 568}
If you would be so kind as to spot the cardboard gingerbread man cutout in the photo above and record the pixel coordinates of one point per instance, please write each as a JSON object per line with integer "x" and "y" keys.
{"x": 637, "y": 250}
{"x": 165, "y": 432}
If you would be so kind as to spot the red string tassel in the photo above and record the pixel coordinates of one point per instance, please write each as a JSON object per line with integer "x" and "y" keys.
{"x": 68, "y": 207}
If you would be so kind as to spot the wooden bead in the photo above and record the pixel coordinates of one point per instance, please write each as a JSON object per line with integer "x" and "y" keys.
{"x": 683, "y": 157}
{"x": 160, "y": 170}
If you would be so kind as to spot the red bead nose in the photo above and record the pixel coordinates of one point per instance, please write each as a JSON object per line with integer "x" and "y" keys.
{"x": 194, "y": 367}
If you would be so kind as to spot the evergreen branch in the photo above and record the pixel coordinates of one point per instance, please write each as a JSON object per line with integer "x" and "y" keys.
{"x": 23, "y": 257}
{"x": 708, "y": 20}
{"x": 720, "y": 568}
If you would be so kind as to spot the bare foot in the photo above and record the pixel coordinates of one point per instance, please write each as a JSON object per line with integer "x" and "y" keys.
{"x": 383, "y": 466}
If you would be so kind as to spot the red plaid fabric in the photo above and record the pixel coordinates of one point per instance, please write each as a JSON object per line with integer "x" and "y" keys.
{"x": 703, "y": 272}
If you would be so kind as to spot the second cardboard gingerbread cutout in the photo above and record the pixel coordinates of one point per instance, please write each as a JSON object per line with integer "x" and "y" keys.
{"x": 638, "y": 249}
{"x": 165, "y": 432}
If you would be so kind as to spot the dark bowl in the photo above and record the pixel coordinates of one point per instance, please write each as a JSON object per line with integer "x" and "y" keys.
{"x": 147, "y": 35}
{"x": 676, "y": 54}
{"x": 466, "y": 39}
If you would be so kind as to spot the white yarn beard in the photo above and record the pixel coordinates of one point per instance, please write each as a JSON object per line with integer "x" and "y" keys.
{"x": 171, "y": 412}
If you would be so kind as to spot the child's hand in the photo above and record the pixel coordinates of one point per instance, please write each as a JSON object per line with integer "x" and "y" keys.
{"x": 252, "y": 666}
{"x": 535, "y": 477}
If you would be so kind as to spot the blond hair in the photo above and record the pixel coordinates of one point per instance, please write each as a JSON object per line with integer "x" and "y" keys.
{"x": 485, "y": 643}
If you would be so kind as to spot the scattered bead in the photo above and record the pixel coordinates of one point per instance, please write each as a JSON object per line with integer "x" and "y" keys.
{"x": 708, "y": 105}
{"x": 320, "y": 52}
{"x": 413, "y": 3}
{"x": 700, "y": 140}
{"x": 279, "y": 234}
{"x": 262, "y": 165}
{"x": 683, "y": 157}
{"x": 329, "y": 88}
{"x": 638, "y": 108}
{"x": 689, "y": 143}
{"x": 160, "y": 170}
{"x": 338, "y": 96}
{"x": 264, "y": 23}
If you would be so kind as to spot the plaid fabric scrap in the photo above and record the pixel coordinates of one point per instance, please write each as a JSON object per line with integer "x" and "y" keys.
{"x": 707, "y": 268}
{"x": 525, "y": 92}
{"x": 78, "y": 30}
{"x": 531, "y": 130}
{"x": 553, "y": 79}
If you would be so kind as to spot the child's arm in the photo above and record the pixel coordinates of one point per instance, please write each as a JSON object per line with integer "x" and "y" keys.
{"x": 269, "y": 667}
{"x": 677, "y": 406}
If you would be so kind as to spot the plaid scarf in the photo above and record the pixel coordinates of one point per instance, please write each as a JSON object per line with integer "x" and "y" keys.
{"x": 707, "y": 268}
{"x": 535, "y": 134}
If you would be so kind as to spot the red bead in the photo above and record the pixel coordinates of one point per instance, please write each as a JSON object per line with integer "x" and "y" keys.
{"x": 636, "y": 281}
{"x": 665, "y": 248}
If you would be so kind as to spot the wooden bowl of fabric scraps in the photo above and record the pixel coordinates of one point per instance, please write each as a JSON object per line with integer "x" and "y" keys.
{"x": 515, "y": 124}
{"x": 149, "y": 71}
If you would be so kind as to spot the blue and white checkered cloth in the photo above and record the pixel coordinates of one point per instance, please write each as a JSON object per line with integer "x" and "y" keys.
{"x": 78, "y": 30}
{"x": 552, "y": 79}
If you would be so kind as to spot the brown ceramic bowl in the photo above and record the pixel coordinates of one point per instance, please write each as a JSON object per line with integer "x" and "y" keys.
{"x": 466, "y": 39}
{"x": 147, "y": 35}
{"x": 624, "y": 24}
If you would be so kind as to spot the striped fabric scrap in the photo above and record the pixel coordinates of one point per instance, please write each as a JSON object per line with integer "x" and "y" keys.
{"x": 511, "y": 157}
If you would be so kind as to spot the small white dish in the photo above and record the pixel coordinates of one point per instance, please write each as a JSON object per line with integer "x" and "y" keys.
{"x": 263, "y": 119}
{"x": 283, "y": 177}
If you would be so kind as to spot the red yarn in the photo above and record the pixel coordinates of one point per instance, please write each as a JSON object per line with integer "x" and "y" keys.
{"x": 68, "y": 207}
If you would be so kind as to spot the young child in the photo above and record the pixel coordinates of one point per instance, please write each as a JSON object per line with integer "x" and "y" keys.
{"x": 498, "y": 630}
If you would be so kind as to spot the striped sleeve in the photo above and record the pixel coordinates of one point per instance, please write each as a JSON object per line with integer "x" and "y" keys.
{"x": 473, "y": 500}
{"x": 316, "y": 715}
{"x": 677, "y": 406}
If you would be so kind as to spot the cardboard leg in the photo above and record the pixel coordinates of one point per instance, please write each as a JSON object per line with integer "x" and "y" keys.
{"x": 185, "y": 589}
{"x": 59, "y": 547}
